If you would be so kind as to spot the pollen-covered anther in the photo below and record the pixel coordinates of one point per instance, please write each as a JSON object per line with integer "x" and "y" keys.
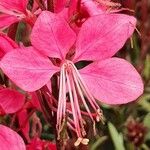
{"x": 99, "y": 116}
{"x": 80, "y": 140}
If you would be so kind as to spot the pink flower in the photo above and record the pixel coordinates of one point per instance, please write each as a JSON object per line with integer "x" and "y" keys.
{"x": 39, "y": 144}
{"x": 9, "y": 139}
{"x": 110, "y": 80}
{"x": 11, "y": 101}
{"x": 15, "y": 11}
{"x": 6, "y": 45}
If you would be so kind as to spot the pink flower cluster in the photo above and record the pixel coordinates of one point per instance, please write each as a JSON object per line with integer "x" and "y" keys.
{"x": 62, "y": 37}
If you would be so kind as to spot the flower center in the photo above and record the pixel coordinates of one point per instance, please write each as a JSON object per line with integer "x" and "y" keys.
{"x": 74, "y": 93}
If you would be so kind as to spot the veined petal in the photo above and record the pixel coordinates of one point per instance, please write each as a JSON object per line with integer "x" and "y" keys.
{"x": 6, "y": 44}
{"x": 17, "y": 5}
{"x": 11, "y": 101}
{"x": 113, "y": 81}
{"x": 109, "y": 35}
{"x": 52, "y": 35}
{"x": 7, "y": 20}
{"x": 9, "y": 139}
{"x": 27, "y": 68}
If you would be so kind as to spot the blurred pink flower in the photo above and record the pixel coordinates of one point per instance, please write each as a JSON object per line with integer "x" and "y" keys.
{"x": 39, "y": 144}
{"x": 11, "y": 101}
{"x": 9, "y": 139}
{"x": 6, "y": 45}
{"x": 110, "y": 80}
{"x": 15, "y": 11}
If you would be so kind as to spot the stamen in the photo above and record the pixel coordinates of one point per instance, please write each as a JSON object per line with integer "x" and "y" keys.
{"x": 64, "y": 92}
{"x": 81, "y": 121}
{"x": 72, "y": 106}
{"x": 71, "y": 127}
{"x": 77, "y": 89}
{"x": 86, "y": 91}
{"x": 59, "y": 100}
{"x": 59, "y": 111}
{"x": 84, "y": 141}
{"x": 61, "y": 103}
{"x": 82, "y": 97}
{"x": 77, "y": 143}
{"x": 135, "y": 28}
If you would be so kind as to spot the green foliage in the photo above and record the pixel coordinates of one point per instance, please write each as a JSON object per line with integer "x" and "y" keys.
{"x": 117, "y": 138}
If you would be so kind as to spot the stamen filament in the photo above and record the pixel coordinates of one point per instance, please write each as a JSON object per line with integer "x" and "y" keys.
{"x": 85, "y": 90}
{"x": 71, "y": 80}
{"x": 61, "y": 101}
{"x": 82, "y": 97}
{"x": 77, "y": 106}
{"x": 72, "y": 106}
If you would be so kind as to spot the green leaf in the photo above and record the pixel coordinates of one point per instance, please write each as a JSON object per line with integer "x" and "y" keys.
{"x": 117, "y": 138}
{"x": 146, "y": 123}
{"x": 99, "y": 142}
{"x": 144, "y": 102}
{"x": 146, "y": 72}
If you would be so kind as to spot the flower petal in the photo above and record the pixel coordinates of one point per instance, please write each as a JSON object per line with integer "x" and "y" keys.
{"x": 11, "y": 101}
{"x": 34, "y": 101}
{"x": 9, "y": 139}
{"x": 52, "y": 35}
{"x": 91, "y": 7}
{"x": 6, "y": 44}
{"x": 103, "y": 35}
{"x": 39, "y": 144}
{"x": 113, "y": 81}
{"x": 19, "y": 5}
{"x": 7, "y": 20}
{"x": 27, "y": 68}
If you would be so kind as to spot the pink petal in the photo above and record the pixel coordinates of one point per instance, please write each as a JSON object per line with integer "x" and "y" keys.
{"x": 11, "y": 101}
{"x": 52, "y": 35}
{"x": 62, "y": 6}
{"x": 6, "y": 44}
{"x": 103, "y": 35}
{"x": 7, "y": 20}
{"x": 73, "y": 7}
{"x": 39, "y": 144}
{"x": 113, "y": 81}
{"x": 17, "y": 5}
{"x": 91, "y": 7}
{"x": 36, "y": 143}
{"x": 35, "y": 101}
{"x": 10, "y": 140}
{"x": 27, "y": 68}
